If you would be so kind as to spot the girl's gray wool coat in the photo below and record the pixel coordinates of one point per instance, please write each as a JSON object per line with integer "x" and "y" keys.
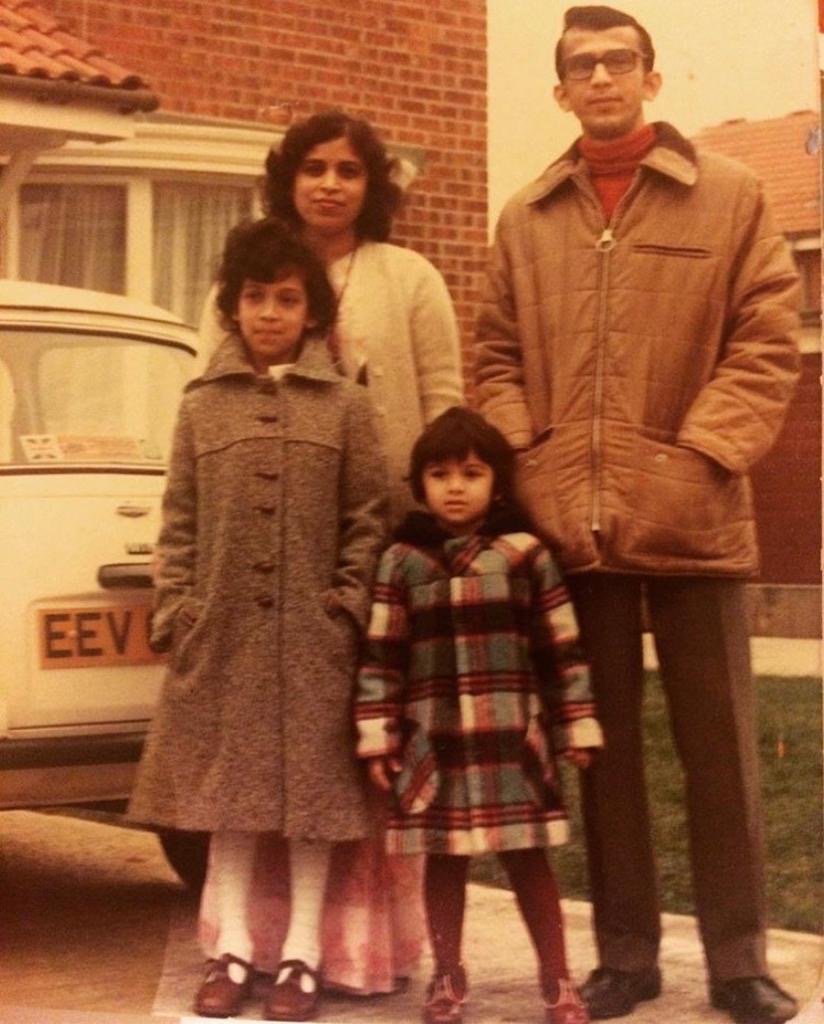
{"x": 273, "y": 519}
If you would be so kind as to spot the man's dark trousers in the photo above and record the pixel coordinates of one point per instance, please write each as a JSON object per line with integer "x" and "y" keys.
{"x": 700, "y": 629}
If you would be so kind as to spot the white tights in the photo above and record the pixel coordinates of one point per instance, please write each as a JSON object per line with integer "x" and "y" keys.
{"x": 231, "y": 863}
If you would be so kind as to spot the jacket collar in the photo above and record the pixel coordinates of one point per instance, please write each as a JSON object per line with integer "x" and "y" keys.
{"x": 672, "y": 155}
{"x": 229, "y": 360}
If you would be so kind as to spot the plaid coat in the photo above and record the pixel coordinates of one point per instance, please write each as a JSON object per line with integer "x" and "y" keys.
{"x": 473, "y": 676}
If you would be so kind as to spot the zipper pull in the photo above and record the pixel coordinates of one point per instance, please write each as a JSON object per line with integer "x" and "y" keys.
{"x": 606, "y": 241}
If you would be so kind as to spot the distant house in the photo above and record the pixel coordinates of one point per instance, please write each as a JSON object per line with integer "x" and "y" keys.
{"x": 785, "y": 153}
{"x": 54, "y": 87}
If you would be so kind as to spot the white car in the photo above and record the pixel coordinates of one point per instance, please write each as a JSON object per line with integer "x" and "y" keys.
{"x": 89, "y": 389}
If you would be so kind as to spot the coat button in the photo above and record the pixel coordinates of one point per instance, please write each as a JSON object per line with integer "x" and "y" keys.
{"x": 265, "y": 566}
{"x": 265, "y": 600}
{"x": 266, "y": 510}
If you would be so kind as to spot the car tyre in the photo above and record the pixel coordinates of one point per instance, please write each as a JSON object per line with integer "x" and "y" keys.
{"x": 188, "y": 853}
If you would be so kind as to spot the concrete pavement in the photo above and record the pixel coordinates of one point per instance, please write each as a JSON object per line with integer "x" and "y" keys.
{"x": 121, "y": 966}
{"x": 501, "y": 968}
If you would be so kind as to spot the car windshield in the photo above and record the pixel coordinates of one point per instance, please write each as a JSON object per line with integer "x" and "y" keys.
{"x": 76, "y": 400}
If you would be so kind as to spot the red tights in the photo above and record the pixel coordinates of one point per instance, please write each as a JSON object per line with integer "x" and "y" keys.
{"x": 535, "y": 890}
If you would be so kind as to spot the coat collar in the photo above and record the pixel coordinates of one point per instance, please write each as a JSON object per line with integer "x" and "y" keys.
{"x": 672, "y": 155}
{"x": 422, "y": 530}
{"x": 454, "y": 555}
{"x": 229, "y": 360}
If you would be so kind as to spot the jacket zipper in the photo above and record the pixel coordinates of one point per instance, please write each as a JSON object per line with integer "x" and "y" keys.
{"x": 604, "y": 245}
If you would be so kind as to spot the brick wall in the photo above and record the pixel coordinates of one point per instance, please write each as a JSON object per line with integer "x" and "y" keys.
{"x": 416, "y": 69}
{"x": 787, "y": 485}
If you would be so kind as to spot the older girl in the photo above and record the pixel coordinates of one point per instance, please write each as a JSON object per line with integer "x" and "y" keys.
{"x": 273, "y": 519}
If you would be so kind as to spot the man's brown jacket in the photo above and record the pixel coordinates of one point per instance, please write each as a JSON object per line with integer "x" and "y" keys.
{"x": 646, "y": 364}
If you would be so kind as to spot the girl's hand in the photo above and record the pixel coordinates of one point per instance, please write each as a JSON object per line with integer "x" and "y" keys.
{"x": 581, "y": 758}
{"x": 381, "y": 769}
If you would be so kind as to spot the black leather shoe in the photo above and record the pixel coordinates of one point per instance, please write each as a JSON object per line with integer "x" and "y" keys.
{"x": 611, "y": 993}
{"x": 753, "y": 1000}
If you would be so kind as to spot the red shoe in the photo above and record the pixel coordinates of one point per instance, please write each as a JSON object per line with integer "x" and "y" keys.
{"x": 445, "y": 997}
{"x": 218, "y": 995}
{"x": 568, "y": 1008}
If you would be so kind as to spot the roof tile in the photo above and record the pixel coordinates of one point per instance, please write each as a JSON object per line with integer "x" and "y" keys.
{"x": 34, "y": 45}
{"x": 784, "y": 153}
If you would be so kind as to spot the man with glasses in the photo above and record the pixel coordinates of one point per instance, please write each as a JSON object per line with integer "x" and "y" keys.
{"x": 636, "y": 344}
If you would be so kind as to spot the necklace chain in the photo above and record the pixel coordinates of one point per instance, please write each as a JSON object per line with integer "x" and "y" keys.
{"x": 335, "y": 341}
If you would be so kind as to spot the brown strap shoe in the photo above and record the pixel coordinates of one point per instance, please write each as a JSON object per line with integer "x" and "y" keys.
{"x": 218, "y": 995}
{"x": 287, "y": 1000}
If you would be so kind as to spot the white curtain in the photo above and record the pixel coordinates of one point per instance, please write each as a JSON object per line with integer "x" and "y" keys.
{"x": 74, "y": 235}
{"x": 190, "y": 226}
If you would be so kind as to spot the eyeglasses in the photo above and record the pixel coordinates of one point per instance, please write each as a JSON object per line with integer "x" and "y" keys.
{"x": 616, "y": 62}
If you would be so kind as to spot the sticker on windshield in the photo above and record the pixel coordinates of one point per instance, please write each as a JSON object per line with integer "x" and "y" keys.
{"x": 87, "y": 448}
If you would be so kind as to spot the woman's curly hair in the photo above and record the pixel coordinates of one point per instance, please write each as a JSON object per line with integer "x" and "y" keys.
{"x": 383, "y": 196}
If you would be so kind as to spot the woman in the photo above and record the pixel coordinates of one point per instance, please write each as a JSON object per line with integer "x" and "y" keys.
{"x": 332, "y": 182}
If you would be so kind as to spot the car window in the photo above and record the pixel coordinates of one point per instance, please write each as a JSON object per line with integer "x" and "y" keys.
{"x": 83, "y": 399}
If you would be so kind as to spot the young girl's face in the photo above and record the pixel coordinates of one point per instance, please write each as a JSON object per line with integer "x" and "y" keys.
{"x": 272, "y": 318}
{"x": 458, "y": 492}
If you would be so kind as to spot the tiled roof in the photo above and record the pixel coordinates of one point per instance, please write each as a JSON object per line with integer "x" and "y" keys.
{"x": 34, "y": 45}
{"x": 784, "y": 152}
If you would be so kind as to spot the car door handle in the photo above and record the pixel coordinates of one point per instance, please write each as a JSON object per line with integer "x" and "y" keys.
{"x": 125, "y": 575}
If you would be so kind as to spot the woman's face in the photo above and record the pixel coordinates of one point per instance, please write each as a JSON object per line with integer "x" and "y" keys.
{"x": 330, "y": 188}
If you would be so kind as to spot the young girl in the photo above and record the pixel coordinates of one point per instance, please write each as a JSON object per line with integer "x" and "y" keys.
{"x": 473, "y": 679}
{"x": 273, "y": 521}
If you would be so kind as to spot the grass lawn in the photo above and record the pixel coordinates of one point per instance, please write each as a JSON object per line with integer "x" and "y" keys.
{"x": 790, "y": 718}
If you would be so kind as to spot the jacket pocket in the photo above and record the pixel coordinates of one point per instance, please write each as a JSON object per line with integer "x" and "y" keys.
{"x": 184, "y": 631}
{"x": 419, "y": 779}
{"x": 684, "y": 505}
{"x": 538, "y": 764}
{"x": 694, "y": 252}
{"x": 342, "y": 629}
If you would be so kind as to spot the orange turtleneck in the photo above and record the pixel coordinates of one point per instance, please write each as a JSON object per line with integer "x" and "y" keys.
{"x": 612, "y": 164}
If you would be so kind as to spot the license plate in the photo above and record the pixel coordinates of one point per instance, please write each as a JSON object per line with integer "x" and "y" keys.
{"x": 95, "y": 636}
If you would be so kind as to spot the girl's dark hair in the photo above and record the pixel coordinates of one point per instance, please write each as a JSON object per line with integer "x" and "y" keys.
{"x": 383, "y": 196}
{"x": 266, "y": 251}
{"x": 453, "y": 435}
{"x": 599, "y": 18}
